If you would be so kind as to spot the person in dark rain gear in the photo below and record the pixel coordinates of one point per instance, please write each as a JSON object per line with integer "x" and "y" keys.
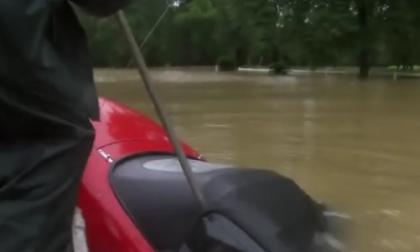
{"x": 47, "y": 102}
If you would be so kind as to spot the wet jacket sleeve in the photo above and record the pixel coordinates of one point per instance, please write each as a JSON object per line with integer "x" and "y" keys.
{"x": 25, "y": 45}
{"x": 43, "y": 57}
{"x": 101, "y": 8}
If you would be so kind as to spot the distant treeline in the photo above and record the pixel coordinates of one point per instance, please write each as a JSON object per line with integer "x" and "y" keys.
{"x": 310, "y": 33}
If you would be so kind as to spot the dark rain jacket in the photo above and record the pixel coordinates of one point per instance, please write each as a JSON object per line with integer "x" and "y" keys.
{"x": 47, "y": 98}
{"x": 44, "y": 59}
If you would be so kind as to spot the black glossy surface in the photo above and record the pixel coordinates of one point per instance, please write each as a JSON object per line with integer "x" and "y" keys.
{"x": 259, "y": 207}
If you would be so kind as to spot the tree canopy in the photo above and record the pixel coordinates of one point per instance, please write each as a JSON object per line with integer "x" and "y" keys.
{"x": 310, "y": 33}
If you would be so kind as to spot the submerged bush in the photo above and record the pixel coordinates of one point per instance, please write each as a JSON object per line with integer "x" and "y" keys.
{"x": 225, "y": 63}
{"x": 278, "y": 68}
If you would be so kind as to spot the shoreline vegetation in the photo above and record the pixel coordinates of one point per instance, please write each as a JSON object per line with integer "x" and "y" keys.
{"x": 280, "y": 34}
{"x": 388, "y": 72}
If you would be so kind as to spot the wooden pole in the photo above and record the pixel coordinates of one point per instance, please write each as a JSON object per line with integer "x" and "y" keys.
{"x": 143, "y": 71}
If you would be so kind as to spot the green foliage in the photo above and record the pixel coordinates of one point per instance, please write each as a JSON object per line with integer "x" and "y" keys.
{"x": 311, "y": 33}
{"x": 226, "y": 63}
{"x": 278, "y": 68}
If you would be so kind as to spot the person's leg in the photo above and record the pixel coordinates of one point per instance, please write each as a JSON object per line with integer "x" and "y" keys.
{"x": 39, "y": 181}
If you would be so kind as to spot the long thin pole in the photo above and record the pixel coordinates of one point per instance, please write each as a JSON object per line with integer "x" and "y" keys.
{"x": 151, "y": 31}
{"x": 142, "y": 69}
{"x": 154, "y": 27}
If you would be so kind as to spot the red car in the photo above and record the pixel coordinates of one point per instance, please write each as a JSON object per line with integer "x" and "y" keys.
{"x": 134, "y": 197}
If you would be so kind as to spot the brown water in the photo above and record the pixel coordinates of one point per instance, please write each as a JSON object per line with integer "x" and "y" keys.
{"x": 355, "y": 146}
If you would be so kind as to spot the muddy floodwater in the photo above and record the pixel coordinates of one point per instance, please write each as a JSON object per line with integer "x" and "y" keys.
{"x": 353, "y": 145}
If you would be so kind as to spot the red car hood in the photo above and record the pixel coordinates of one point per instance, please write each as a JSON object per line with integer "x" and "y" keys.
{"x": 119, "y": 123}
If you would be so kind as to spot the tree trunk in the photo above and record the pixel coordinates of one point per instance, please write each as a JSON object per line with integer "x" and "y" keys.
{"x": 240, "y": 56}
{"x": 274, "y": 54}
{"x": 364, "y": 64}
{"x": 364, "y": 53}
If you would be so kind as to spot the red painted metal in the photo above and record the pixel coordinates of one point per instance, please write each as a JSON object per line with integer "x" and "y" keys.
{"x": 122, "y": 131}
